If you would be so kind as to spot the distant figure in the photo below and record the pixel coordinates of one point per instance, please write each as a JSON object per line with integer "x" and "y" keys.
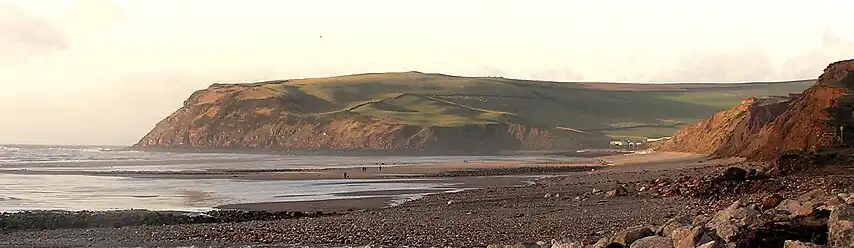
{"x": 380, "y": 168}
{"x": 345, "y": 175}
{"x": 364, "y": 168}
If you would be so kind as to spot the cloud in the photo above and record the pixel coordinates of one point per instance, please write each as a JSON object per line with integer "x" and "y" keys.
{"x": 738, "y": 65}
{"x": 565, "y": 75}
{"x": 23, "y": 34}
{"x": 810, "y": 64}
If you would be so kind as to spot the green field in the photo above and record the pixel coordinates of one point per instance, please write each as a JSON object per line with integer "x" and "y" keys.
{"x": 617, "y": 110}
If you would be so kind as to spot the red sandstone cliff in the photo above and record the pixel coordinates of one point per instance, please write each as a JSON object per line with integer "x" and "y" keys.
{"x": 242, "y": 117}
{"x": 761, "y": 130}
{"x": 726, "y": 131}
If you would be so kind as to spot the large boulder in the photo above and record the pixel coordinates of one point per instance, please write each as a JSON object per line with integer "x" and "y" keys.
{"x": 605, "y": 243}
{"x": 799, "y": 244}
{"x": 618, "y": 191}
{"x": 522, "y": 245}
{"x": 629, "y": 235}
{"x": 730, "y": 222}
{"x": 689, "y": 237}
{"x": 734, "y": 174}
{"x": 652, "y": 242}
{"x": 710, "y": 244}
{"x": 841, "y": 227}
{"x": 671, "y": 225}
{"x": 567, "y": 245}
{"x": 797, "y": 208}
{"x": 771, "y": 201}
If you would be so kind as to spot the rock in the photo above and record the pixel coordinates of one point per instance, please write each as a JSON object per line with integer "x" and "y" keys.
{"x": 596, "y": 191}
{"x": 602, "y": 243}
{"x": 629, "y": 235}
{"x": 777, "y": 215}
{"x": 684, "y": 237}
{"x": 735, "y": 211}
{"x": 614, "y": 245}
{"x": 543, "y": 244}
{"x": 729, "y": 223}
{"x": 671, "y": 225}
{"x": 831, "y": 202}
{"x": 618, "y": 191}
{"x": 547, "y": 195}
{"x": 812, "y": 196}
{"x": 734, "y": 174}
{"x": 799, "y": 244}
{"x": 522, "y": 245}
{"x": 771, "y": 201}
{"x": 847, "y": 198}
{"x": 841, "y": 227}
{"x": 688, "y": 237}
{"x": 728, "y": 230}
{"x": 701, "y": 220}
{"x": 710, "y": 244}
{"x": 797, "y": 208}
{"x": 652, "y": 242}
{"x": 566, "y": 245}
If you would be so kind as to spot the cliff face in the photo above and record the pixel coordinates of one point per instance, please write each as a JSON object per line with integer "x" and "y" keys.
{"x": 803, "y": 125}
{"x": 241, "y": 117}
{"x": 761, "y": 130}
{"x": 727, "y": 131}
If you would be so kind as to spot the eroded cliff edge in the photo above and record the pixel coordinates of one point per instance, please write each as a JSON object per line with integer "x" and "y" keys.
{"x": 761, "y": 129}
{"x": 252, "y": 117}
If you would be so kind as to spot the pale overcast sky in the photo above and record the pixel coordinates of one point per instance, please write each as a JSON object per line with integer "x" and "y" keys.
{"x": 104, "y": 72}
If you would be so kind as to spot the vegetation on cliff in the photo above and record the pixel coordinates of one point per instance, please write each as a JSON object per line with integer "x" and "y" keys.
{"x": 419, "y": 111}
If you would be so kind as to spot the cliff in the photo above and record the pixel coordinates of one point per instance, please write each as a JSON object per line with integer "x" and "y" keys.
{"x": 260, "y": 118}
{"x": 728, "y": 131}
{"x": 804, "y": 124}
{"x": 761, "y": 130}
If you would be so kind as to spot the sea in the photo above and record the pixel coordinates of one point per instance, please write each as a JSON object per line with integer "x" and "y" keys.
{"x": 56, "y": 179}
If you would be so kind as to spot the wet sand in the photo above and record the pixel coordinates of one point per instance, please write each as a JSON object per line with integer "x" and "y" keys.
{"x": 375, "y": 200}
{"x": 370, "y": 172}
{"x": 337, "y": 205}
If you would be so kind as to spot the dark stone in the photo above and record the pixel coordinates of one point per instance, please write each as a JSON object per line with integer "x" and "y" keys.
{"x": 734, "y": 174}
{"x": 771, "y": 201}
{"x": 614, "y": 245}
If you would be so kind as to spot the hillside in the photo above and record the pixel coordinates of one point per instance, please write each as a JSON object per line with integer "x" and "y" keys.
{"x": 762, "y": 131}
{"x": 419, "y": 111}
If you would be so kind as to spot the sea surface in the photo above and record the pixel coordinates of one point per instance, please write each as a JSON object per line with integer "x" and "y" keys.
{"x": 34, "y": 191}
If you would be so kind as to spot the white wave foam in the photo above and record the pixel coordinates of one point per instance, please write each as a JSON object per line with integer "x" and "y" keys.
{"x": 92, "y": 149}
{"x": 9, "y": 149}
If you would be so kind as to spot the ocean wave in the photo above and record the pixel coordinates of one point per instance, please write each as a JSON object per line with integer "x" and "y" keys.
{"x": 89, "y": 149}
{"x": 9, "y": 149}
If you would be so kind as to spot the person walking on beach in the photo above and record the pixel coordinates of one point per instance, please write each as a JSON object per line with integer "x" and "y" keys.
{"x": 345, "y": 175}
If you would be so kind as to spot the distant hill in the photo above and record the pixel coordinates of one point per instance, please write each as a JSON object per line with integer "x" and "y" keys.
{"x": 379, "y": 106}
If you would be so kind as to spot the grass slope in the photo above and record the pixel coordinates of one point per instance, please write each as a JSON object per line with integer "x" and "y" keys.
{"x": 618, "y": 110}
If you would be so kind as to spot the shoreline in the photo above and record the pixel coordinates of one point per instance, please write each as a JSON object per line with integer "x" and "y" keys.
{"x": 353, "y": 152}
{"x": 490, "y": 212}
{"x": 463, "y": 176}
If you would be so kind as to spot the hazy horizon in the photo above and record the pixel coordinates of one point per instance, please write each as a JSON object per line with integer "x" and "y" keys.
{"x": 104, "y": 72}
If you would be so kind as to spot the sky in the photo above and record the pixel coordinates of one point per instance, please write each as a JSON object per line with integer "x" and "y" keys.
{"x": 104, "y": 72}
